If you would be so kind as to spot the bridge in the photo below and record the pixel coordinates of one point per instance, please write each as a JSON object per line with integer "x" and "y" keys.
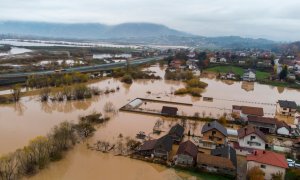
{"x": 12, "y": 78}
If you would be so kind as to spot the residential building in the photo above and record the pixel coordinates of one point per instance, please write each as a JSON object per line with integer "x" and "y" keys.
{"x": 264, "y": 124}
{"x": 269, "y": 162}
{"x": 176, "y": 132}
{"x": 158, "y": 148}
{"x": 163, "y": 147}
{"x": 286, "y": 108}
{"x": 244, "y": 111}
{"x": 213, "y": 60}
{"x": 186, "y": 154}
{"x": 283, "y": 128}
{"x": 249, "y": 75}
{"x": 169, "y": 111}
{"x": 223, "y": 60}
{"x": 214, "y": 134}
{"x": 226, "y": 152}
{"x": 215, "y": 164}
{"x": 251, "y": 137}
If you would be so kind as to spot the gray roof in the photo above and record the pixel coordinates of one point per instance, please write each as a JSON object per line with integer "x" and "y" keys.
{"x": 226, "y": 152}
{"x": 165, "y": 143}
{"x": 214, "y": 125}
{"x": 287, "y": 104}
{"x": 177, "y": 130}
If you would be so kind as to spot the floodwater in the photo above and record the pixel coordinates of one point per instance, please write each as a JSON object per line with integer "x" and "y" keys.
{"x": 25, "y": 120}
{"x": 14, "y": 51}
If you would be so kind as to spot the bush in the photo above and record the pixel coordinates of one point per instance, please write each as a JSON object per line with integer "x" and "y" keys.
{"x": 127, "y": 79}
{"x": 196, "y": 83}
{"x": 255, "y": 173}
{"x": 292, "y": 174}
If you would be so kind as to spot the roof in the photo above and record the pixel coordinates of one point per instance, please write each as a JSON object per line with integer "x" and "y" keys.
{"x": 268, "y": 157}
{"x": 259, "y": 119}
{"x": 226, "y": 152}
{"x": 177, "y": 130}
{"x": 287, "y": 104}
{"x": 214, "y": 161}
{"x": 169, "y": 110}
{"x": 249, "y": 110}
{"x": 188, "y": 148}
{"x": 165, "y": 143}
{"x": 281, "y": 124}
{"x": 250, "y": 70}
{"x": 148, "y": 145}
{"x": 242, "y": 132}
{"x": 214, "y": 125}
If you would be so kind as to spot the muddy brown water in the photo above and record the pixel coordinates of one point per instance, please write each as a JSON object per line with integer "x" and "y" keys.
{"x": 25, "y": 120}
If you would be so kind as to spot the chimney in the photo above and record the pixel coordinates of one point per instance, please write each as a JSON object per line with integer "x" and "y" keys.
{"x": 255, "y": 153}
{"x": 245, "y": 130}
{"x": 264, "y": 152}
{"x": 208, "y": 124}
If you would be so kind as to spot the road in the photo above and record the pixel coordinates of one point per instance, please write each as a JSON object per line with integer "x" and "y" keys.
{"x": 100, "y": 67}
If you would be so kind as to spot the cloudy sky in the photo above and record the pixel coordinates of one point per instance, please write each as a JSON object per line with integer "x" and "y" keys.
{"x": 273, "y": 19}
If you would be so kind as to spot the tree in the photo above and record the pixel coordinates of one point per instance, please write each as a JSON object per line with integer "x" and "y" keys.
{"x": 8, "y": 167}
{"x": 255, "y": 173}
{"x": 283, "y": 73}
{"x": 16, "y": 92}
{"x": 44, "y": 94}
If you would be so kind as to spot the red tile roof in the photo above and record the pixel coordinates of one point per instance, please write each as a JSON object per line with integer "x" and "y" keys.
{"x": 268, "y": 157}
{"x": 242, "y": 132}
{"x": 265, "y": 120}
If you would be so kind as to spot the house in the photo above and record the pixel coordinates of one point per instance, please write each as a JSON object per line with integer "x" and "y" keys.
{"x": 176, "y": 64}
{"x": 269, "y": 162}
{"x": 213, "y": 60}
{"x": 283, "y": 128}
{"x": 169, "y": 111}
{"x": 242, "y": 62}
{"x": 226, "y": 152}
{"x": 264, "y": 124}
{"x": 147, "y": 148}
{"x": 215, "y": 164}
{"x": 186, "y": 154}
{"x": 163, "y": 147}
{"x": 159, "y": 148}
{"x": 244, "y": 111}
{"x": 223, "y": 60}
{"x": 176, "y": 132}
{"x": 249, "y": 75}
{"x": 229, "y": 75}
{"x": 251, "y": 137}
{"x": 215, "y": 133}
{"x": 286, "y": 108}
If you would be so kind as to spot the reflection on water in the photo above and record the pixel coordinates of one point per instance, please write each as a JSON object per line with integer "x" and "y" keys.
{"x": 25, "y": 120}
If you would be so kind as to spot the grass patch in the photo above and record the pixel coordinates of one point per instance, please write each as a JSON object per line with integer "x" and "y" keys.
{"x": 226, "y": 69}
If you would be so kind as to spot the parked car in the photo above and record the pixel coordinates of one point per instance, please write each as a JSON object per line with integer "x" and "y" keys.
{"x": 291, "y": 163}
{"x": 297, "y": 165}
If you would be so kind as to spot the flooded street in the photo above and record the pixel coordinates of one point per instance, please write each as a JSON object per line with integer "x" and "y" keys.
{"x": 25, "y": 120}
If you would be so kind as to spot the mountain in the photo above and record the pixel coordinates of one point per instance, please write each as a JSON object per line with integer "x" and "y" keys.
{"x": 87, "y": 30}
{"x": 129, "y": 33}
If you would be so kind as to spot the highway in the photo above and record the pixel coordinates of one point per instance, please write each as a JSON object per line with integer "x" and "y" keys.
{"x": 93, "y": 68}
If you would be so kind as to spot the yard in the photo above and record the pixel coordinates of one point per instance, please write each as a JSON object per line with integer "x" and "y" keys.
{"x": 237, "y": 70}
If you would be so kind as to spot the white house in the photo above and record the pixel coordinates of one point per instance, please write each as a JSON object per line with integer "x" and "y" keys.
{"x": 269, "y": 162}
{"x": 213, "y": 60}
{"x": 286, "y": 108}
{"x": 250, "y": 137}
{"x": 249, "y": 75}
{"x": 223, "y": 60}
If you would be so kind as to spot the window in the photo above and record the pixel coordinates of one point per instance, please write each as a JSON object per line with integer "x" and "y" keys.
{"x": 263, "y": 166}
{"x": 252, "y": 137}
{"x": 213, "y": 132}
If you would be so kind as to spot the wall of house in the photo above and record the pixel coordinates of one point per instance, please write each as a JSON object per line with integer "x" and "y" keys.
{"x": 243, "y": 142}
{"x": 286, "y": 111}
{"x": 218, "y": 134}
{"x": 183, "y": 159}
{"x": 283, "y": 131}
{"x": 269, "y": 170}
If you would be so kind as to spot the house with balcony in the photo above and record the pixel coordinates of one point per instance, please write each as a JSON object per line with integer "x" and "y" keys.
{"x": 286, "y": 108}
{"x": 252, "y": 138}
{"x": 214, "y": 135}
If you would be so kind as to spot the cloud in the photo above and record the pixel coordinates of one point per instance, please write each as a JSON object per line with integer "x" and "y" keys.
{"x": 274, "y": 19}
